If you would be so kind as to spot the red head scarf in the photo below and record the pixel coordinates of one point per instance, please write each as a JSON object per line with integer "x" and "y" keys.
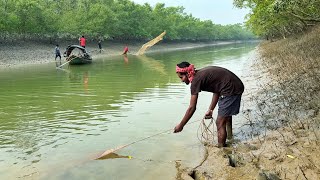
{"x": 189, "y": 70}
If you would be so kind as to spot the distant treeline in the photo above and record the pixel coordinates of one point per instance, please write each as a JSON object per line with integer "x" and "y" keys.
{"x": 108, "y": 19}
{"x": 280, "y": 18}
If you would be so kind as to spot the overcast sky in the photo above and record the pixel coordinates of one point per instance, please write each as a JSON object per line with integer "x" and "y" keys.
{"x": 218, "y": 11}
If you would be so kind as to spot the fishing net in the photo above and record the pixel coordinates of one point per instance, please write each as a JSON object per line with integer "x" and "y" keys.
{"x": 150, "y": 43}
{"x": 206, "y": 131}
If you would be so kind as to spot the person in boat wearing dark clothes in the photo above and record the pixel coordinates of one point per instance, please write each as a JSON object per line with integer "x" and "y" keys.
{"x": 227, "y": 90}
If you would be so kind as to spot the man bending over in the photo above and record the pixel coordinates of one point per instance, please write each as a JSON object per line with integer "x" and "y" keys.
{"x": 227, "y": 89}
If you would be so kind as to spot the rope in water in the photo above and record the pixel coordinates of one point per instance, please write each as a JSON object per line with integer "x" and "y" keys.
{"x": 126, "y": 145}
{"x": 206, "y": 131}
{"x": 207, "y": 134}
{"x": 155, "y": 135}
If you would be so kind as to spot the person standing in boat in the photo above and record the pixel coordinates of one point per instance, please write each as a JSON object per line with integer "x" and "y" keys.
{"x": 82, "y": 41}
{"x": 227, "y": 90}
{"x": 57, "y": 53}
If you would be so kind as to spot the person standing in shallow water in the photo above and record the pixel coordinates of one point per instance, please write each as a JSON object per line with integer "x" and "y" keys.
{"x": 57, "y": 52}
{"x": 100, "y": 45}
{"x": 227, "y": 90}
{"x": 125, "y": 50}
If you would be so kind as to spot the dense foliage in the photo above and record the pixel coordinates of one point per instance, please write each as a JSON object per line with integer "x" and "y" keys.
{"x": 280, "y": 18}
{"x": 110, "y": 19}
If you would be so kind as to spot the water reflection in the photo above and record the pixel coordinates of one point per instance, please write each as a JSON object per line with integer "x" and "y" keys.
{"x": 152, "y": 64}
{"x": 125, "y": 58}
{"x": 54, "y": 117}
{"x": 85, "y": 80}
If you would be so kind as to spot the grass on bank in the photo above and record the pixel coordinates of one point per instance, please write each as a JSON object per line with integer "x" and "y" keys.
{"x": 292, "y": 91}
{"x": 287, "y": 103}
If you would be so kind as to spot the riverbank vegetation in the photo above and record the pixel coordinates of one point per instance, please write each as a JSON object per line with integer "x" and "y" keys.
{"x": 280, "y": 18}
{"x": 288, "y": 99}
{"x": 292, "y": 65}
{"x": 288, "y": 104}
{"x": 283, "y": 123}
{"x": 108, "y": 19}
{"x": 290, "y": 88}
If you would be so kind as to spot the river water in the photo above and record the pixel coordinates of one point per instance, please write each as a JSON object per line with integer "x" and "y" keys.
{"x": 54, "y": 123}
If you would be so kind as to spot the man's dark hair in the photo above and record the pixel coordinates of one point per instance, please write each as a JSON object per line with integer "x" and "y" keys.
{"x": 183, "y": 64}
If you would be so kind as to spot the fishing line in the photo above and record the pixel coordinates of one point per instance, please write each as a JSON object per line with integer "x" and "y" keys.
{"x": 105, "y": 153}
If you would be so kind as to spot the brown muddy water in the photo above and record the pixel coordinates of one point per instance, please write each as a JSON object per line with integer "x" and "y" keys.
{"x": 54, "y": 123}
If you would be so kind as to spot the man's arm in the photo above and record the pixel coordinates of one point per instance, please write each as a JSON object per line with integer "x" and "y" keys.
{"x": 191, "y": 109}
{"x": 214, "y": 101}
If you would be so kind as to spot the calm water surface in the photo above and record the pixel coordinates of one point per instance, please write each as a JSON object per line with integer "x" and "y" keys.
{"x": 53, "y": 123}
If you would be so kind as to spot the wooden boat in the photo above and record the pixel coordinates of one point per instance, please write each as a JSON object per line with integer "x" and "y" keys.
{"x": 77, "y": 55}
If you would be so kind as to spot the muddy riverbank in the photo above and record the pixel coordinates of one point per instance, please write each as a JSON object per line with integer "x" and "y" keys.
{"x": 282, "y": 110}
{"x": 288, "y": 152}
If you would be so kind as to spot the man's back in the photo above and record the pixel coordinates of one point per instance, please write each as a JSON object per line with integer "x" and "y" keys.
{"x": 216, "y": 80}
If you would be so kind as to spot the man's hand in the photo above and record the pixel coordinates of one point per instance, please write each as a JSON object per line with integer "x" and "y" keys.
{"x": 208, "y": 114}
{"x": 178, "y": 128}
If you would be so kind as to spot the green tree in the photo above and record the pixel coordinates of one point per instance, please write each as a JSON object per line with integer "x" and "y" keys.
{"x": 113, "y": 19}
{"x": 280, "y": 18}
